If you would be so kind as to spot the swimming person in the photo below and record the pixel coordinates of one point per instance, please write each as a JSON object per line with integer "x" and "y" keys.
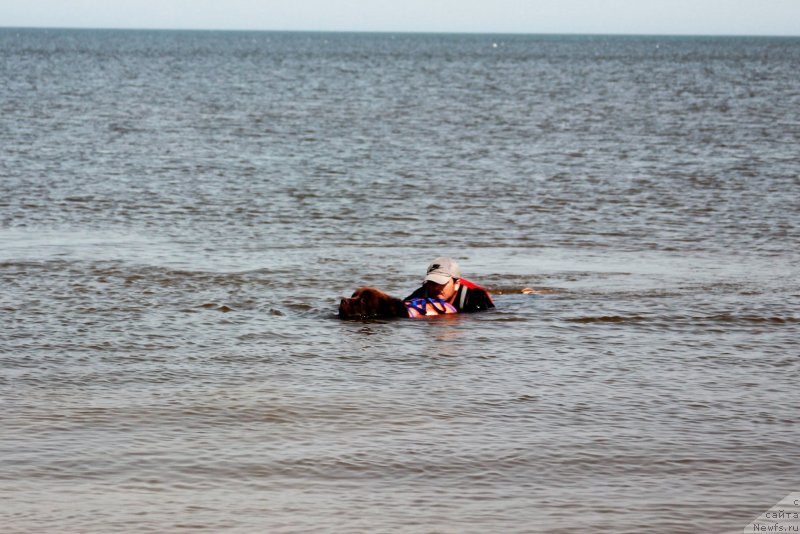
{"x": 443, "y": 281}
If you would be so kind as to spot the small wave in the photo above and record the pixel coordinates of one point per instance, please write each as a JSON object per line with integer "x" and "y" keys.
{"x": 608, "y": 319}
{"x": 721, "y": 318}
{"x": 510, "y": 320}
{"x": 724, "y": 318}
{"x": 514, "y": 290}
{"x": 214, "y": 306}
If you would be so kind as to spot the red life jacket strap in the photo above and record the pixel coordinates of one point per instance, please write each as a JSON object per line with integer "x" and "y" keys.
{"x": 472, "y": 285}
{"x": 469, "y": 285}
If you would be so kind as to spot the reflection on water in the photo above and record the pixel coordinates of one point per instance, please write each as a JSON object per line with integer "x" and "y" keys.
{"x": 181, "y": 213}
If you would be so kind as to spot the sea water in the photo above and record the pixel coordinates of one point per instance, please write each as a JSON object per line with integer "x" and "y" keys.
{"x": 180, "y": 213}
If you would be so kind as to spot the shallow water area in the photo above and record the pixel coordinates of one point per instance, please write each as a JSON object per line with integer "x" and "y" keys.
{"x": 180, "y": 213}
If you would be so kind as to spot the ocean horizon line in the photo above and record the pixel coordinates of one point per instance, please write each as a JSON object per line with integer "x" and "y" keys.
{"x": 401, "y": 32}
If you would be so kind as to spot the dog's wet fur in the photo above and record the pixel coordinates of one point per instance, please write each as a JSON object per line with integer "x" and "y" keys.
{"x": 371, "y": 303}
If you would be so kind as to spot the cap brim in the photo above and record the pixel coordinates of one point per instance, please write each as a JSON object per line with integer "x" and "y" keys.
{"x": 437, "y": 278}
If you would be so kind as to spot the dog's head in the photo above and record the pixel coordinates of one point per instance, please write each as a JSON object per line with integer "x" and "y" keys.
{"x": 371, "y": 303}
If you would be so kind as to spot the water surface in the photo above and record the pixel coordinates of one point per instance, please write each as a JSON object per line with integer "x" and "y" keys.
{"x": 181, "y": 211}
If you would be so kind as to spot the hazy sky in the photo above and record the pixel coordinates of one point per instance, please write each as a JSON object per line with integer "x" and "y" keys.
{"x": 704, "y": 17}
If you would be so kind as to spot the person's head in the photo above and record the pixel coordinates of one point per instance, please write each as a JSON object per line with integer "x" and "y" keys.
{"x": 441, "y": 280}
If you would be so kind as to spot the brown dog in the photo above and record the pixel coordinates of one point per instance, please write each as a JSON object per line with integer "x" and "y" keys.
{"x": 371, "y": 303}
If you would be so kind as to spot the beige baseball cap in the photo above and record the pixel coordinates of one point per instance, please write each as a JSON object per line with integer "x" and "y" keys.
{"x": 441, "y": 270}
